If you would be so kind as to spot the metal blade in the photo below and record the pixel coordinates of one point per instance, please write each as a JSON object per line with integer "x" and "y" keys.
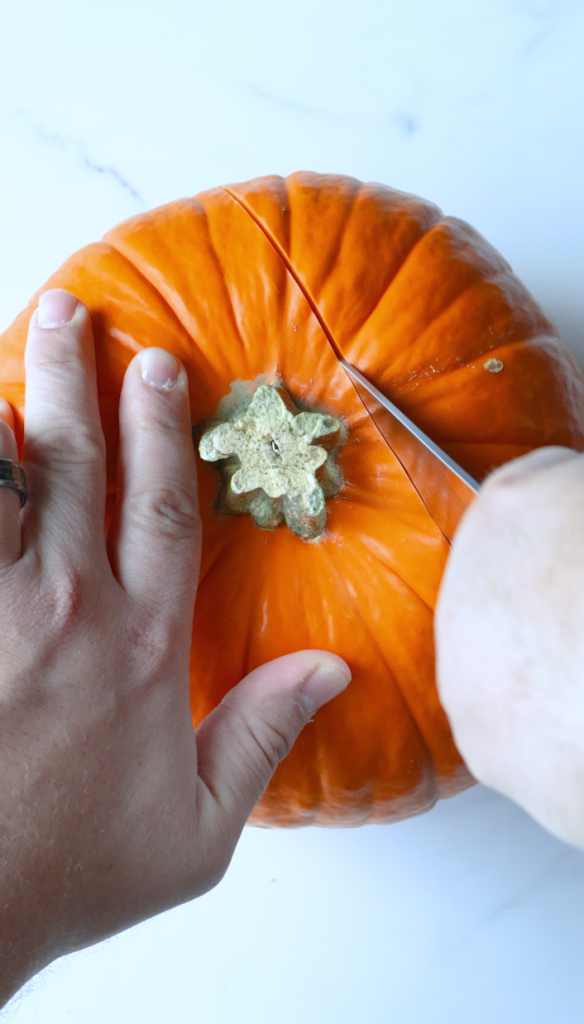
{"x": 445, "y": 487}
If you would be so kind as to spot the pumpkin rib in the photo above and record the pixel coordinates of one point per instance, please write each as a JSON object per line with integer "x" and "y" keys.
{"x": 335, "y": 253}
{"x": 542, "y": 349}
{"x": 394, "y": 675}
{"x": 393, "y": 279}
{"x": 223, "y": 276}
{"x": 246, "y": 613}
{"x": 357, "y": 499}
{"x": 468, "y": 361}
{"x": 291, "y": 270}
{"x": 371, "y": 501}
{"x": 396, "y": 270}
{"x": 393, "y": 572}
{"x": 365, "y": 502}
{"x": 150, "y": 283}
{"x": 304, "y": 288}
{"x": 314, "y": 800}
{"x": 431, "y": 325}
{"x": 381, "y": 515}
{"x": 420, "y": 211}
{"x": 151, "y": 280}
{"x": 334, "y": 256}
{"x": 395, "y": 671}
{"x": 374, "y": 514}
{"x": 444, "y": 312}
{"x": 344, "y": 583}
{"x": 306, "y": 291}
{"x": 153, "y": 284}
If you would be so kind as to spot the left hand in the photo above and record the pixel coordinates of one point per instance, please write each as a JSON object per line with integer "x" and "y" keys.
{"x": 111, "y": 808}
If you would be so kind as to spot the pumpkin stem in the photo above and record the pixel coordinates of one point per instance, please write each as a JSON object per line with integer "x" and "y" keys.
{"x": 271, "y": 469}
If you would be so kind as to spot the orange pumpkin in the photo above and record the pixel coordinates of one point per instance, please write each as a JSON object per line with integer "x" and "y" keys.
{"x": 270, "y": 281}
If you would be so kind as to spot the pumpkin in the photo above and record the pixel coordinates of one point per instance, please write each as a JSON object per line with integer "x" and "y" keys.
{"x": 264, "y": 285}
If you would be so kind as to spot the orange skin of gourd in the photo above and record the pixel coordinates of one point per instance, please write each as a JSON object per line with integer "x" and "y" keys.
{"x": 278, "y": 277}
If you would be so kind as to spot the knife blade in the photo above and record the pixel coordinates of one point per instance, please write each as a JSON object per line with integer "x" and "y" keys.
{"x": 445, "y": 488}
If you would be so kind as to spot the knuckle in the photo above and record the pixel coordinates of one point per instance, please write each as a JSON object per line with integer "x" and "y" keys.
{"x": 165, "y": 417}
{"x": 260, "y": 735}
{"x": 272, "y": 743}
{"x": 55, "y": 354}
{"x": 152, "y": 640}
{"x": 156, "y": 646}
{"x": 276, "y": 744}
{"x": 63, "y": 601}
{"x": 169, "y": 511}
{"x": 63, "y": 445}
{"x": 59, "y": 607}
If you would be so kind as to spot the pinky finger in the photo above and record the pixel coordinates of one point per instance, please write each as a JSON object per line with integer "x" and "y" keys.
{"x": 9, "y": 499}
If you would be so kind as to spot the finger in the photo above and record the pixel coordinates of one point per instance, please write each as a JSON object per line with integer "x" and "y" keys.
{"x": 6, "y": 414}
{"x": 155, "y": 538}
{"x": 64, "y": 447}
{"x": 9, "y": 499}
{"x": 242, "y": 741}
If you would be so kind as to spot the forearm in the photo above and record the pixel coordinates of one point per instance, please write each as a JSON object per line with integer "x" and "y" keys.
{"x": 112, "y": 809}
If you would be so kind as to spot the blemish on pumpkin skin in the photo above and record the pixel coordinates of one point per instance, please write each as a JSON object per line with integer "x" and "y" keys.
{"x": 493, "y": 365}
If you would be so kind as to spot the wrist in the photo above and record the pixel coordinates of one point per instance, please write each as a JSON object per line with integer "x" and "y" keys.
{"x": 20, "y": 958}
{"x": 28, "y": 942}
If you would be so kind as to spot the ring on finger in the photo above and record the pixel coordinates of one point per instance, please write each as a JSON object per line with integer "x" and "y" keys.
{"x": 12, "y": 476}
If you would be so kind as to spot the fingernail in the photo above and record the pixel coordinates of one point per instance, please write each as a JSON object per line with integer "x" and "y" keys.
{"x": 159, "y": 368}
{"x": 56, "y": 308}
{"x": 321, "y": 686}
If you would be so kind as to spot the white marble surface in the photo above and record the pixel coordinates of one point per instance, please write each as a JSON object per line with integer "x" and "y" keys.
{"x": 471, "y": 913}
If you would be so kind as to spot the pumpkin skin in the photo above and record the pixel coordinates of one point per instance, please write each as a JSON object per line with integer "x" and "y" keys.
{"x": 277, "y": 277}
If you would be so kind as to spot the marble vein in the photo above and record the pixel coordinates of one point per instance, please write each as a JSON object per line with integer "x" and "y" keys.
{"x": 70, "y": 144}
{"x": 288, "y": 104}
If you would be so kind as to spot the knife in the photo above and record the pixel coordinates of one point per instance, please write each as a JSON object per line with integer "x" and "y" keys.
{"x": 445, "y": 487}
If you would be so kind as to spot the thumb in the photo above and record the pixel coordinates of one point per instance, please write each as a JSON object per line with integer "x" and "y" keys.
{"x": 242, "y": 741}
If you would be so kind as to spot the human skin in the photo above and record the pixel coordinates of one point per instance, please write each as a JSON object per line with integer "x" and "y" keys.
{"x": 111, "y": 808}
{"x": 510, "y": 637}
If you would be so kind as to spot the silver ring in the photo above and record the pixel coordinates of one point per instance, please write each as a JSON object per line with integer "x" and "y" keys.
{"x": 12, "y": 476}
